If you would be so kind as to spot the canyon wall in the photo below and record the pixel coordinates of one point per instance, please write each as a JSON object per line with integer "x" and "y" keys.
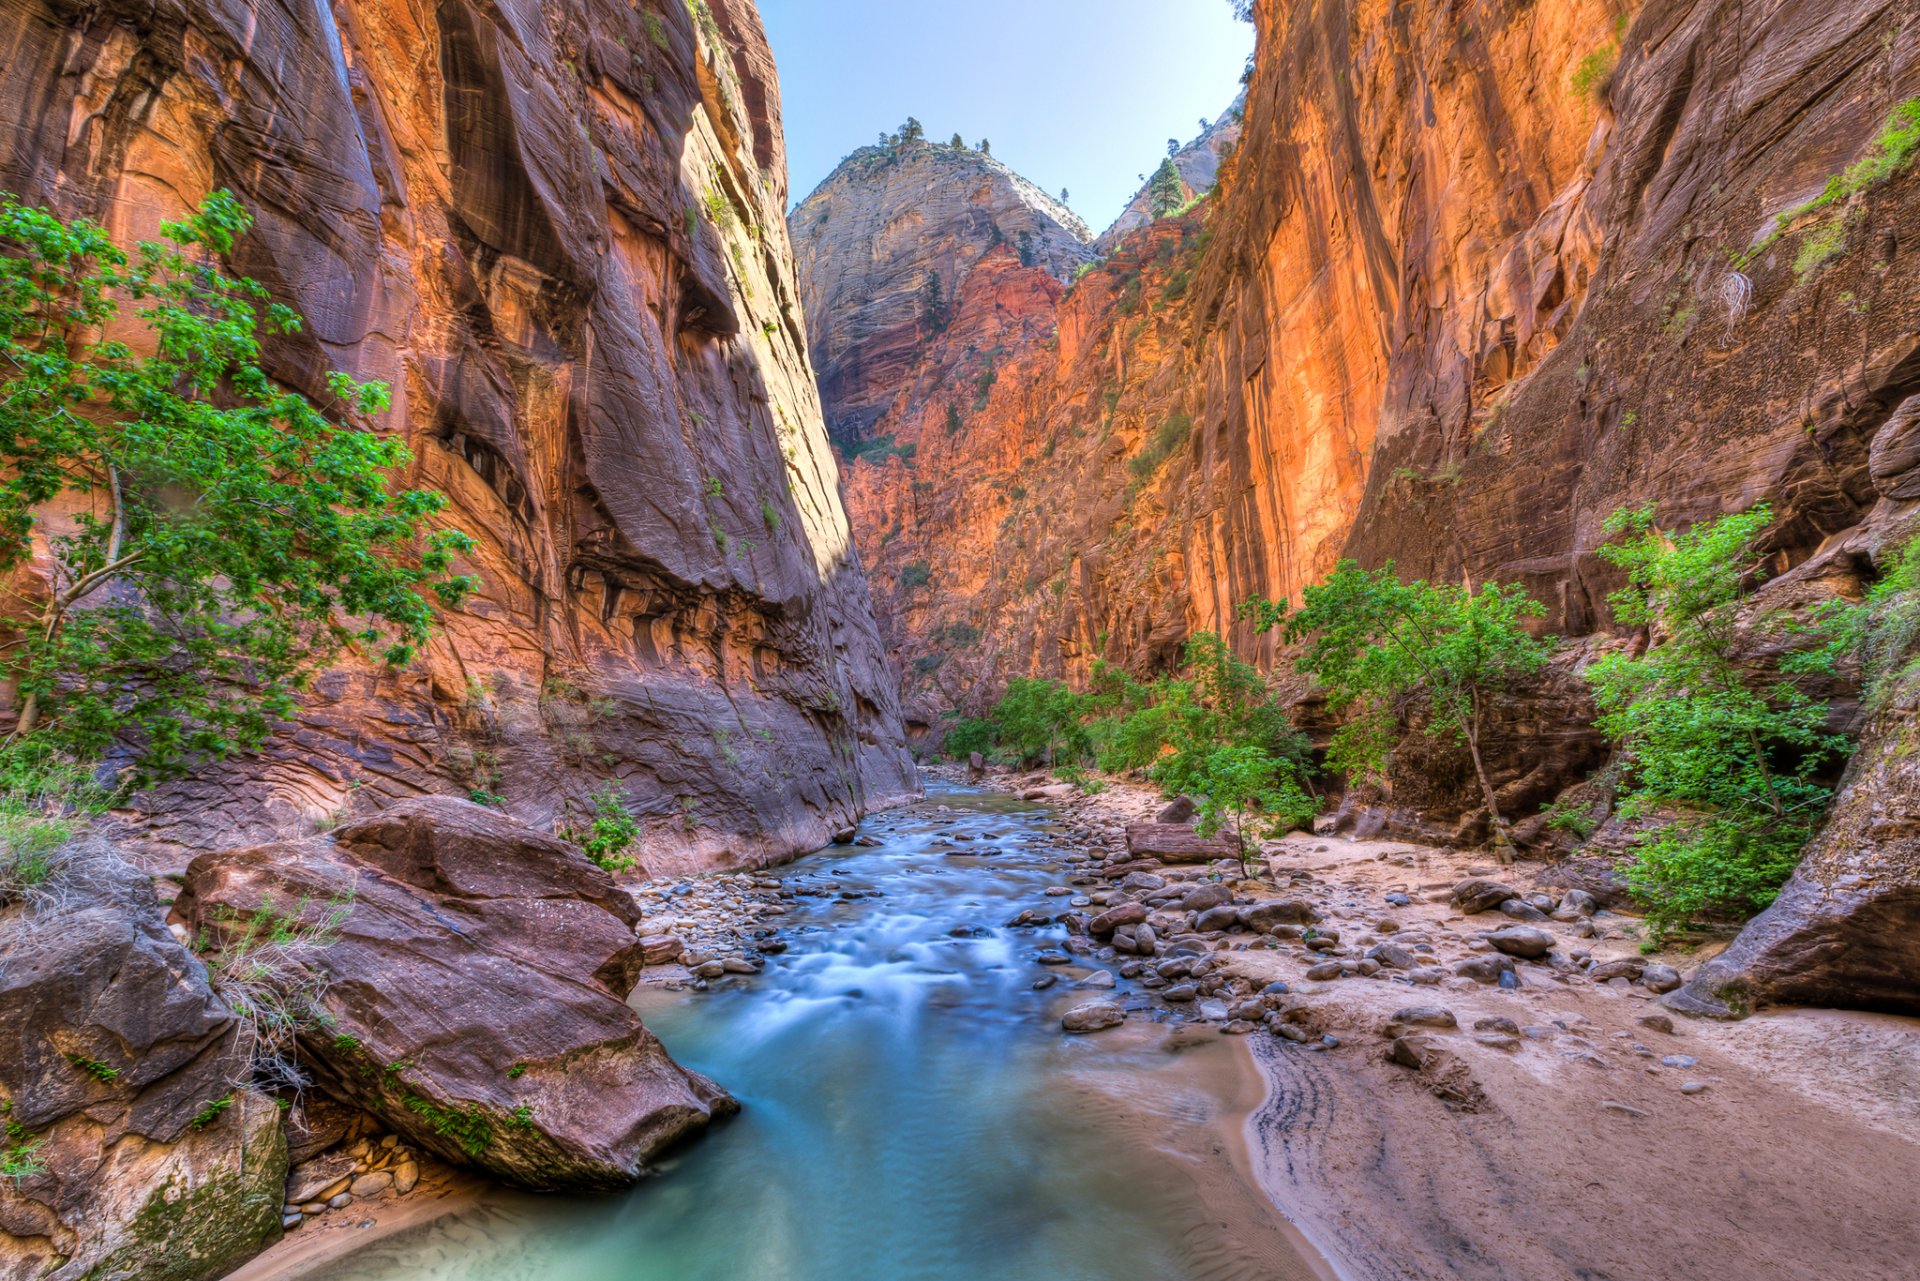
{"x": 1454, "y": 302}
{"x": 869, "y": 238}
{"x": 557, "y": 231}
{"x": 1472, "y": 280}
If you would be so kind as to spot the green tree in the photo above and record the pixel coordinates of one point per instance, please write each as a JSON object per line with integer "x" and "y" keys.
{"x": 1039, "y": 718}
{"x": 1252, "y": 788}
{"x": 1734, "y": 758}
{"x": 912, "y": 131}
{"x": 985, "y": 148}
{"x": 957, "y": 143}
{"x": 228, "y": 537}
{"x": 933, "y": 304}
{"x": 1166, "y": 193}
{"x": 1374, "y": 642}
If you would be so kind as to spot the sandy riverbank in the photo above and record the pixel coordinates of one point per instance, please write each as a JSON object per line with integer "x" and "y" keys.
{"x": 1573, "y": 1140}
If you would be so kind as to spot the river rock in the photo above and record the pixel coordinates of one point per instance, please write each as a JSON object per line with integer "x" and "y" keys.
{"x": 1475, "y": 895}
{"x": 1521, "y": 910}
{"x": 1093, "y": 1016}
{"x": 1626, "y": 967}
{"x": 1216, "y": 919}
{"x": 1393, "y": 956}
{"x": 315, "y": 1180}
{"x": 472, "y": 942}
{"x": 1178, "y": 810}
{"x": 661, "y": 949}
{"x": 1522, "y": 941}
{"x": 1115, "y": 917}
{"x": 1203, "y": 897}
{"x": 1484, "y": 969}
{"x": 1660, "y": 978}
{"x": 1425, "y": 1016}
{"x": 131, "y": 1187}
{"x": 1262, "y": 917}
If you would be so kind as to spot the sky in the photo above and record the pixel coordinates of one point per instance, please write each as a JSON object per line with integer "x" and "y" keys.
{"x": 1081, "y": 94}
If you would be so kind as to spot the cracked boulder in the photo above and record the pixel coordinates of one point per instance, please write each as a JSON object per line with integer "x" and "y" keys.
{"x": 476, "y": 986}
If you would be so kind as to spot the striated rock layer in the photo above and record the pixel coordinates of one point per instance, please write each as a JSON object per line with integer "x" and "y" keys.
{"x": 869, "y": 237}
{"x": 1470, "y": 283}
{"x": 556, "y": 230}
{"x": 475, "y": 991}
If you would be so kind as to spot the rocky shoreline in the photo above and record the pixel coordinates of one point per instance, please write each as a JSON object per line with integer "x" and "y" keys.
{"x": 1446, "y": 1054}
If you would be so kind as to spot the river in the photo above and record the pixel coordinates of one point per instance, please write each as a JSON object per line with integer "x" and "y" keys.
{"x": 911, "y": 1109}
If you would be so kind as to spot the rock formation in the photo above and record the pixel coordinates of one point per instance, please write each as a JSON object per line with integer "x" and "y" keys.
{"x": 557, "y": 232}
{"x": 475, "y": 991}
{"x": 137, "y": 1154}
{"x": 1465, "y": 289}
{"x": 869, "y": 239}
{"x": 1197, "y": 163}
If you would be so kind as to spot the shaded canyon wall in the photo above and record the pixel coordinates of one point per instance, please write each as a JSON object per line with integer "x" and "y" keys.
{"x": 557, "y": 231}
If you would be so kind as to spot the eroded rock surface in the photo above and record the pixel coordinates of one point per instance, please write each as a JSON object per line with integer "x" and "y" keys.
{"x": 557, "y": 231}
{"x": 476, "y": 983}
{"x": 117, "y": 1064}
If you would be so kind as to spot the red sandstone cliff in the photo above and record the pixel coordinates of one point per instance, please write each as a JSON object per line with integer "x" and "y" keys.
{"x": 557, "y": 231}
{"x": 1467, "y": 286}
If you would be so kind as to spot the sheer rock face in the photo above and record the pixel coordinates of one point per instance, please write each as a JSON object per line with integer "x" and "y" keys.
{"x": 867, "y": 239}
{"x": 1448, "y": 311}
{"x": 477, "y": 986}
{"x": 113, "y": 1048}
{"x": 557, "y": 232}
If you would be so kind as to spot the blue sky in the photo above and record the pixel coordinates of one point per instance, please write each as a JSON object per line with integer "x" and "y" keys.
{"x": 1081, "y": 94}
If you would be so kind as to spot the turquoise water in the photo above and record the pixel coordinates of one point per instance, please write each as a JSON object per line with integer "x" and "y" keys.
{"x": 912, "y": 1111}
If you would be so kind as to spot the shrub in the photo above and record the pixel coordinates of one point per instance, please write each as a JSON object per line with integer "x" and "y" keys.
{"x": 1733, "y": 760}
{"x": 1250, "y": 786}
{"x": 612, "y": 830}
{"x": 263, "y": 965}
{"x": 916, "y": 574}
{"x": 1171, "y": 435}
{"x": 969, "y": 735}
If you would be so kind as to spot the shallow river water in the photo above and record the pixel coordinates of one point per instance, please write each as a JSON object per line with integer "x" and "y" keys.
{"x": 912, "y": 1111}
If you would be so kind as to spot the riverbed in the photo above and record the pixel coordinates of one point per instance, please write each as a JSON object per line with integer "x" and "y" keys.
{"x": 912, "y": 1110}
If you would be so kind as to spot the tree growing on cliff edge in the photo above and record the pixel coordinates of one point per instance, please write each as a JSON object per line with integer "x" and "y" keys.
{"x": 1165, "y": 193}
{"x": 1375, "y": 643}
{"x": 1730, "y": 761}
{"x": 933, "y": 304}
{"x": 210, "y": 539}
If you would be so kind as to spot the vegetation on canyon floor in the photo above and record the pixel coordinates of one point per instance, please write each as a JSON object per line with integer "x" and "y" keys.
{"x": 1722, "y": 770}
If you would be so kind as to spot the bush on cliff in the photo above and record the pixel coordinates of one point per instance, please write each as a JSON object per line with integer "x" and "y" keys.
{"x": 1734, "y": 758}
{"x": 212, "y": 538}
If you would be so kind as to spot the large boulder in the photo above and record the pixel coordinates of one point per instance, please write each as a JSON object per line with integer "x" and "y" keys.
{"x": 117, "y": 1071}
{"x": 1177, "y": 843}
{"x": 475, "y": 978}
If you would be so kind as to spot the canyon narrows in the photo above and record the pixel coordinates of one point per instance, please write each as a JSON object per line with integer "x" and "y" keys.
{"x": 1391, "y": 670}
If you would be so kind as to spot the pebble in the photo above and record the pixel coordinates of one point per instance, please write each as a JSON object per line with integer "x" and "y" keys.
{"x": 1678, "y": 1061}
{"x": 1608, "y": 1105}
{"x": 1099, "y": 978}
{"x": 1693, "y": 1087}
{"x": 1426, "y": 1016}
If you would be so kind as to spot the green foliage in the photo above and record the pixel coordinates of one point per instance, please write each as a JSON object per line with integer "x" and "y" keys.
{"x": 934, "y": 312}
{"x": 611, "y": 832}
{"x": 1375, "y": 642}
{"x": 231, "y": 536}
{"x": 1734, "y": 760}
{"x": 770, "y": 515}
{"x": 1165, "y": 191}
{"x": 210, "y": 1111}
{"x": 466, "y": 1126}
{"x": 521, "y": 1117}
{"x": 18, "y": 1154}
{"x": 1040, "y": 718}
{"x": 1252, "y": 788}
{"x": 1890, "y": 151}
{"x": 878, "y": 449}
{"x": 656, "y": 30}
{"x": 1171, "y": 435}
{"x": 968, "y": 735}
{"x": 517, "y": 1071}
{"x": 1882, "y": 631}
{"x": 916, "y": 574}
{"x": 482, "y": 796}
{"x": 1821, "y": 246}
{"x": 105, "y": 1073}
{"x": 954, "y": 421}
